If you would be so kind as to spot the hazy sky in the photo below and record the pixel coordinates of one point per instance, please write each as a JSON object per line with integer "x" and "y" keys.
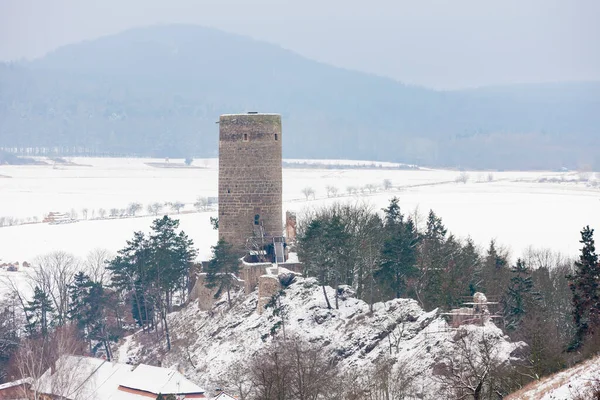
{"x": 442, "y": 44}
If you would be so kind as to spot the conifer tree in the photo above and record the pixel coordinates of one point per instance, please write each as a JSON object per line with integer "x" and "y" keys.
{"x": 519, "y": 297}
{"x": 222, "y": 269}
{"x": 399, "y": 252}
{"x": 39, "y": 311}
{"x": 585, "y": 286}
{"x": 432, "y": 263}
{"x": 312, "y": 249}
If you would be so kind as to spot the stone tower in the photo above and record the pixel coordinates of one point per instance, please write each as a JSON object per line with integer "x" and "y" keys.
{"x": 249, "y": 177}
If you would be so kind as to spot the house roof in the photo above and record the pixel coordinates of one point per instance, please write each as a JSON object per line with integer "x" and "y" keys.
{"x": 224, "y": 396}
{"x": 9, "y": 385}
{"x": 159, "y": 380}
{"x": 88, "y": 378}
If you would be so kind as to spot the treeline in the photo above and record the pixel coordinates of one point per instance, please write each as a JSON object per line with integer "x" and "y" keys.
{"x": 544, "y": 299}
{"x": 88, "y": 306}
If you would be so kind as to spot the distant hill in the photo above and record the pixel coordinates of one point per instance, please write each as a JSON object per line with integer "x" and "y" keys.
{"x": 159, "y": 90}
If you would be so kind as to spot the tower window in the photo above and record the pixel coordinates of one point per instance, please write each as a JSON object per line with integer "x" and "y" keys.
{"x": 256, "y": 219}
{"x": 245, "y": 137}
{"x": 276, "y": 137}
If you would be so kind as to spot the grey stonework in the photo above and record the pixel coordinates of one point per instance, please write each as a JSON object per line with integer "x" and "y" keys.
{"x": 250, "y": 182}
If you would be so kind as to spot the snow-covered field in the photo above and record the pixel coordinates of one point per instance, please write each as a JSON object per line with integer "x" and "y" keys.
{"x": 513, "y": 208}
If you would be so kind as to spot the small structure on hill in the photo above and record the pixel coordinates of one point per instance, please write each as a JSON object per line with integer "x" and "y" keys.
{"x": 476, "y": 312}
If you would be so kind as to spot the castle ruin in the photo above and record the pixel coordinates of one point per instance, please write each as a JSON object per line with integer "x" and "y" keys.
{"x": 250, "y": 182}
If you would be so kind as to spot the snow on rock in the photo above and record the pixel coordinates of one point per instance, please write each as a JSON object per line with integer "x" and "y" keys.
{"x": 207, "y": 344}
{"x": 579, "y": 382}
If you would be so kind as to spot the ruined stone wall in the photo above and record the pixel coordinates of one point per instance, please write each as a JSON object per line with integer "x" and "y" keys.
{"x": 268, "y": 286}
{"x": 250, "y": 274}
{"x": 250, "y": 181}
{"x": 202, "y": 294}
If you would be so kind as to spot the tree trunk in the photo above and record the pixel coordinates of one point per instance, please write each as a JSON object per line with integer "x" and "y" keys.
{"x": 337, "y": 291}
{"x": 326, "y": 298}
{"x": 167, "y": 331}
{"x": 228, "y": 298}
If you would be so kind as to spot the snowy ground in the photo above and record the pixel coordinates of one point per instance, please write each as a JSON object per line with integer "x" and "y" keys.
{"x": 514, "y": 208}
{"x": 578, "y": 382}
{"x": 206, "y": 345}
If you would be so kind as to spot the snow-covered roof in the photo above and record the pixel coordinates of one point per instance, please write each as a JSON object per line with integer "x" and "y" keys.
{"x": 159, "y": 380}
{"x": 90, "y": 378}
{"x": 224, "y": 396}
{"x": 15, "y": 383}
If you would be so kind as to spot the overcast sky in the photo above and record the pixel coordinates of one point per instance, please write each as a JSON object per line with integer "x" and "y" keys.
{"x": 441, "y": 44}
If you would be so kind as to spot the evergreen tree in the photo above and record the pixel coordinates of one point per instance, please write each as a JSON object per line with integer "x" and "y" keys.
{"x": 312, "y": 250}
{"x": 585, "y": 286}
{"x": 171, "y": 256}
{"x": 39, "y": 311}
{"x": 459, "y": 273}
{"x": 222, "y": 269}
{"x": 432, "y": 263}
{"x": 399, "y": 251}
{"x": 78, "y": 309}
{"x": 495, "y": 274}
{"x": 519, "y": 297}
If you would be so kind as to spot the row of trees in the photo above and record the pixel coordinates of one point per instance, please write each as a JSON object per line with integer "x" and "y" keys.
{"x": 545, "y": 299}
{"x": 201, "y": 204}
{"x": 333, "y": 191}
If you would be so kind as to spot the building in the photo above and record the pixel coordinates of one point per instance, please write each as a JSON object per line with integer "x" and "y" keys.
{"x": 250, "y": 179}
{"x": 15, "y": 390}
{"x": 77, "y": 377}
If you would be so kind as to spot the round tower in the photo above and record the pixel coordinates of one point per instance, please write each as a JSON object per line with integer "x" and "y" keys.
{"x": 249, "y": 177}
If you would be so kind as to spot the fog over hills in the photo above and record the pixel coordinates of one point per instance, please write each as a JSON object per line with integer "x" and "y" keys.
{"x": 159, "y": 90}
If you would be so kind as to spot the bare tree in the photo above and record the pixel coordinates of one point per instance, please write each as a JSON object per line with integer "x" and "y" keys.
{"x": 154, "y": 208}
{"x": 101, "y": 213}
{"x": 95, "y": 265}
{"x": 463, "y": 177}
{"x": 84, "y": 212}
{"x": 490, "y": 177}
{"x": 237, "y": 380}
{"x": 472, "y": 368}
{"x": 43, "y": 361}
{"x": 201, "y": 204}
{"x": 53, "y": 273}
{"x": 177, "y": 206}
{"x": 331, "y": 191}
{"x": 292, "y": 369}
{"x": 370, "y": 187}
{"x": 73, "y": 214}
{"x": 114, "y": 212}
{"x": 387, "y": 184}
{"x": 133, "y": 208}
{"x": 308, "y": 192}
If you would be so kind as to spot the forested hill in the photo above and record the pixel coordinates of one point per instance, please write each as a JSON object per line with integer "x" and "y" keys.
{"x": 159, "y": 90}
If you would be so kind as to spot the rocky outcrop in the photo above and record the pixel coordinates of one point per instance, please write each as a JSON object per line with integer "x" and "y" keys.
{"x": 207, "y": 344}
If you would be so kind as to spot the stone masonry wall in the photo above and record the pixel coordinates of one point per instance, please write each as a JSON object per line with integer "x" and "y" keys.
{"x": 250, "y": 181}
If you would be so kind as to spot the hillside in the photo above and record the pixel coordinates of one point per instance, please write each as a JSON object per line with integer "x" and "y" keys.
{"x": 208, "y": 345}
{"x": 158, "y": 91}
{"x": 576, "y": 383}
